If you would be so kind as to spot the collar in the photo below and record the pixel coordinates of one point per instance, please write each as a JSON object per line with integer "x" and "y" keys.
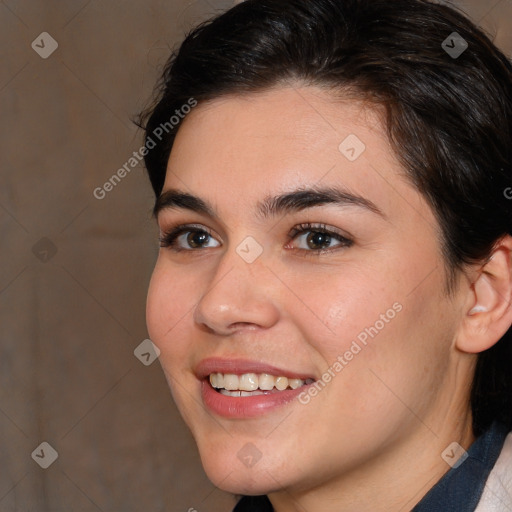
{"x": 462, "y": 487}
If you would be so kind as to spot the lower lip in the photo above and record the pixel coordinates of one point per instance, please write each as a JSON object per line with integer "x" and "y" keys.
{"x": 245, "y": 406}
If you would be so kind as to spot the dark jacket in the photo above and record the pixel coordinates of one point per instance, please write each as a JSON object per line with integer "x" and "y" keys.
{"x": 482, "y": 483}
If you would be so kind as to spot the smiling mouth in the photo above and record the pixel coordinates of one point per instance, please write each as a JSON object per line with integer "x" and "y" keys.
{"x": 253, "y": 384}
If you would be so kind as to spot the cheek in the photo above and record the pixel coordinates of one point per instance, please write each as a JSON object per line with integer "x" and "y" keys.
{"x": 169, "y": 305}
{"x": 170, "y": 298}
{"x": 351, "y": 304}
{"x": 401, "y": 359}
{"x": 382, "y": 333}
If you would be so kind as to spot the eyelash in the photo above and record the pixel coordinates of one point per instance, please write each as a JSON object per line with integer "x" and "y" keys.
{"x": 168, "y": 238}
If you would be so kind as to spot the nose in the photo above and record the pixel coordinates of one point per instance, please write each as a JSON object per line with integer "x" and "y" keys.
{"x": 239, "y": 295}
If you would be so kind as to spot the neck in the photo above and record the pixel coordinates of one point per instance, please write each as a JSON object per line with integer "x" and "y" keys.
{"x": 395, "y": 479}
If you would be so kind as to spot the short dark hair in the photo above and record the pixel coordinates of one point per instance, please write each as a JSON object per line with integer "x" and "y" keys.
{"x": 448, "y": 116}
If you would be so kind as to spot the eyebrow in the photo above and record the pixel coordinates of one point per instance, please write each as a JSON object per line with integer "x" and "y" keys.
{"x": 270, "y": 206}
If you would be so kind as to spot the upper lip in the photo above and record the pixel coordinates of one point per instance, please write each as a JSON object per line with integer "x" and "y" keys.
{"x": 241, "y": 366}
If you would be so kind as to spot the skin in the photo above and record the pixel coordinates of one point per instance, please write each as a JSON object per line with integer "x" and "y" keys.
{"x": 372, "y": 438}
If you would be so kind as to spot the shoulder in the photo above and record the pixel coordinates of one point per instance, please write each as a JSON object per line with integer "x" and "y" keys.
{"x": 497, "y": 493}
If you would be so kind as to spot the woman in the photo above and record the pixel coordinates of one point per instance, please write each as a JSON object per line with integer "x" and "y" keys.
{"x": 332, "y": 294}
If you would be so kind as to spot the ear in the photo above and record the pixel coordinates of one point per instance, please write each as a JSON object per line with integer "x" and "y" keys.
{"x": 488, "y": 308}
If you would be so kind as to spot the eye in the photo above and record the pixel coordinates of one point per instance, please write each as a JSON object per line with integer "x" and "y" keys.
{"x": 187, "y": 238}
{"x": 318, "y": 238}
{"x": 314, "y": 239}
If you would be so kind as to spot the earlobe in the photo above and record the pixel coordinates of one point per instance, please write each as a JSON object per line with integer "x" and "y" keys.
{"x": 489, "y": 312}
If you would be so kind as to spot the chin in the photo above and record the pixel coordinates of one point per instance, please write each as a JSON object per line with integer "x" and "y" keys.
{"x": 231, "y": 475}
{"x": 247, "y": 483}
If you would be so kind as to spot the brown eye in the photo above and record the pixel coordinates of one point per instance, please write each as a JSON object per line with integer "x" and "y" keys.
{"x": 187, "y": 238}
{"x": 196, "y": 239}
{"x": 318, "y": 238}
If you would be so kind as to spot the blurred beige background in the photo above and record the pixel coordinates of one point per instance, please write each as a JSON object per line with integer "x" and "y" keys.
{"x": 75, "y": 269}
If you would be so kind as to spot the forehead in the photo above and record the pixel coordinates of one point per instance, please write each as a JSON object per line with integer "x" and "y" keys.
{"x": 243, "y": 148}
{"x": 285, "y": 122}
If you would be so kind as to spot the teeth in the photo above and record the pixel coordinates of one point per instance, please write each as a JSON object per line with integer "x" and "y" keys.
{"x": 217, "y": 380}
{"x": 295, "y": 383}
{"x": 281, "y": 383}
{"x": 240, "y": 393}
{"x": 266, "y": 381}
{"x": 250, "y": 384}
{"x": 231, "y": 382}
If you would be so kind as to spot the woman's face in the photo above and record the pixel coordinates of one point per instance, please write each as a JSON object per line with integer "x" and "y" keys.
{"x": 276, "y": 277}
